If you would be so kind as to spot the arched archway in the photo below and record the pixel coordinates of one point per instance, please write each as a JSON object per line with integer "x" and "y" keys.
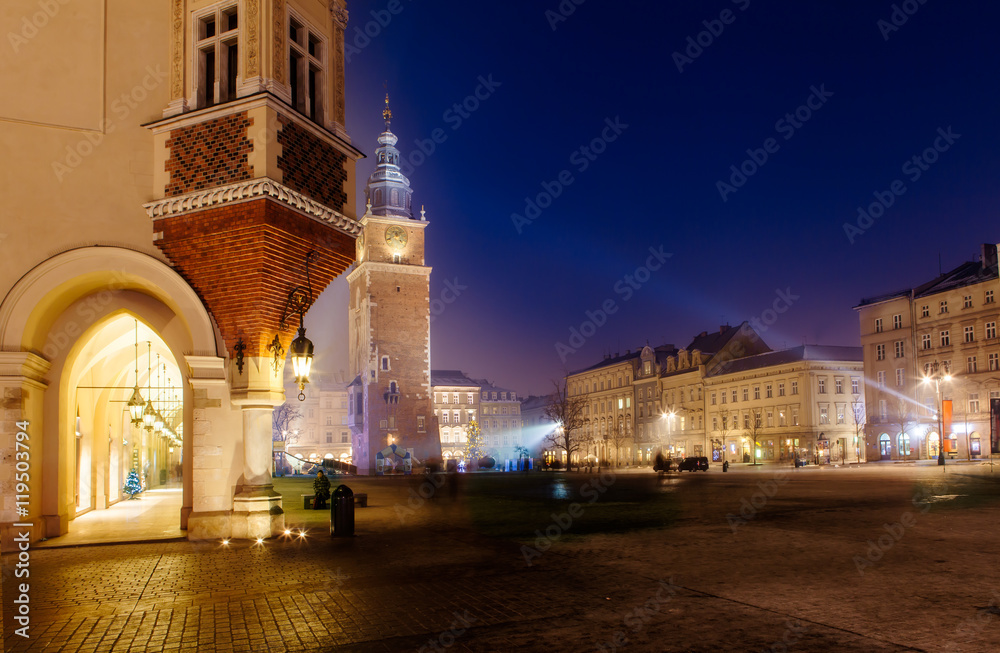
{"x": 933, "y": 444}
{"x": 884, "y": 447}
{"x": 68, "y": 325}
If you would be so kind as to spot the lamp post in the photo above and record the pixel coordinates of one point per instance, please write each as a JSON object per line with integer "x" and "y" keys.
{"x": 937, "y": 374}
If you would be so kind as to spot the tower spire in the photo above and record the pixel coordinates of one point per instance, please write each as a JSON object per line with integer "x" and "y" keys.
{"x": 387, "y": 112}
{"x": 388, "y": 190}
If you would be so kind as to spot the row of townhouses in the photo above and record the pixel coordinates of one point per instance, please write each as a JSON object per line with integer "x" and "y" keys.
{"x": 725, "y": 396}
{"x": 929, "y": 363}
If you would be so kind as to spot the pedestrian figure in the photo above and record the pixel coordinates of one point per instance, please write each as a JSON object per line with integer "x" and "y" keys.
{"x": 321, "y": 488}
{"x": 725, "y": 466}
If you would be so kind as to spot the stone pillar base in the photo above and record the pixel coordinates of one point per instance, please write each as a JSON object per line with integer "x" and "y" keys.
{"x": 257, "y": 512}
{"x": 215, "y": 525}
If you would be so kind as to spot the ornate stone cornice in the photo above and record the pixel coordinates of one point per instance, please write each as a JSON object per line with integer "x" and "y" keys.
{"x": 397, "y": 268}
{"x": 250, "y": 190}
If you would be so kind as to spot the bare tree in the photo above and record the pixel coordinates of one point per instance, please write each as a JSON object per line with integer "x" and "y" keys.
{"x": 567, "y": 413}
{"x": 754, "y": 431}
{"x": 281, "y": 421}
{"x": 618, "y": 436}
{"x": 724, "y": 429}
{"x": 901, "y": 414}
{"x": 860, "y": 418}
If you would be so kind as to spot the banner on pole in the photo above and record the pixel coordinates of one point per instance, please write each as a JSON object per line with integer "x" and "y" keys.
{"x": 946, "y": 413}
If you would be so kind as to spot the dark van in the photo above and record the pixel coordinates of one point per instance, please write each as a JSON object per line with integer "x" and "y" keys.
{"x": 693, "y": 464}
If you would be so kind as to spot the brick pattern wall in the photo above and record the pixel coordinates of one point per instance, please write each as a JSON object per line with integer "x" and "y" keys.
{"x": 401, "y": 331}
{"x": 312, "y": 167}
{"x": 243, "y": 259}
{"x": 213, "y": 153}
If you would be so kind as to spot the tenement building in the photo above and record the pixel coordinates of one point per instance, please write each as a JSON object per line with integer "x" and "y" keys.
{"x": 607, "y": 392}
{"x": 182, "y": 192}
{"x": 500, "y": 422}
{"x": 801, "y": 403}
{"x": 320, "y": 430}
{"x": 931, "y": 359}
{"x": 682, "y": 387}
{"x": 456, "y": 403}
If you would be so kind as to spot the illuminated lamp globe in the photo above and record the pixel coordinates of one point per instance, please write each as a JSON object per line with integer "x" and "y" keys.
{"x": 302, "y": 356}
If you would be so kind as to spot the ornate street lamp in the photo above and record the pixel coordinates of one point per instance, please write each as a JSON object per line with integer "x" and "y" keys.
{"x": 939, "y": 373}
{"x": 301, "y": 350}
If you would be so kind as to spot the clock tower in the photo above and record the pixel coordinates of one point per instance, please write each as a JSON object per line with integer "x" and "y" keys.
{"x": 390, "y": 400}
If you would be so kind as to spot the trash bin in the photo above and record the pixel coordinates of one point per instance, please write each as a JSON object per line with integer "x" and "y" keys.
{"x": 342, "y": 512}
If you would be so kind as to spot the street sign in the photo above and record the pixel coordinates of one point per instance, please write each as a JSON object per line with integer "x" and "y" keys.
{"x": 279, "y": 445}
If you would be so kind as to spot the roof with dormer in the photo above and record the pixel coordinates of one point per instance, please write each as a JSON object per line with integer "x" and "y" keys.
{"x": 452, "y": 378}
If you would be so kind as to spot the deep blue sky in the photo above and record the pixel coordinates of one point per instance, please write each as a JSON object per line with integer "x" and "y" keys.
{"x": 656, "y": 184}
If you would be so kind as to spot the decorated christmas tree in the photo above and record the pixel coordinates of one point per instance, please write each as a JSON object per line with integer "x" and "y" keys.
{"x": 474, "y": 444}
{"x": 133, "y": 485}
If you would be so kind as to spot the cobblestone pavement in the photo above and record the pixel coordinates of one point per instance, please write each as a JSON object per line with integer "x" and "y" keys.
{"x": 785, "y": 580}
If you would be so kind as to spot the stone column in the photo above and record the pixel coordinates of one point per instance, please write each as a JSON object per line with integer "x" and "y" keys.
{"x": 257, "y": 510}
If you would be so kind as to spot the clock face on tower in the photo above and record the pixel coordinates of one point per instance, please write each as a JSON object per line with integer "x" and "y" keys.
{"x": 395, "y": 236}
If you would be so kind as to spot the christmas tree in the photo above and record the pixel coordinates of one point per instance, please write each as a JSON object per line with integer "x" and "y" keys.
{"x": 133, "y": 485}
{"x": 474, "y": 442}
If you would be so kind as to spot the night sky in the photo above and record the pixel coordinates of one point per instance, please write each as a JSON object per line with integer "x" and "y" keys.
{"x": 879, "y": 96}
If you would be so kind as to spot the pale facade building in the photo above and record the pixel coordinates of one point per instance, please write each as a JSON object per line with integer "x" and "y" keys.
{"x": 950, "y": 321}
{"x": 607, "y": 391}
{"x": 456, "y": 403}
{"x": 682, "y": 387}
{"x": 650, "y": 420}
{"x": 785, "y": 405}
{"x": 322, "y": 431}
{"x": 500, "y": 421}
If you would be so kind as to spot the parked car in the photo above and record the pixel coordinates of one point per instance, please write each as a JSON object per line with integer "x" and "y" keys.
{"x": 693, "y": 464}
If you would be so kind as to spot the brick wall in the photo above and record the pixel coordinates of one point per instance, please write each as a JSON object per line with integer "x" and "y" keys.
{"x": 213, "y": 153}
{"x": 400, "y": 328}
{"x": 243, "y": 259}
{"x": 312, "y": 167}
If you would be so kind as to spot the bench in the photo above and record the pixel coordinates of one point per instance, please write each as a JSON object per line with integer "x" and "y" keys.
{"x": 359, "y": 498}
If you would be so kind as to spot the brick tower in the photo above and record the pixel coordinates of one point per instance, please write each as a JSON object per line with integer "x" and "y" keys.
{"x": 253, "y": 177}
{"x": 389, "y": 323}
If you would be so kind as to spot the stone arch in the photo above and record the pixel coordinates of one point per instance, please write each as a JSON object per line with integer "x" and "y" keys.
{"x": 50, "y": 316}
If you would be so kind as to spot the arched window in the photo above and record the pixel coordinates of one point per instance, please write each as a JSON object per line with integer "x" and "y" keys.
{"x": 904, "y": 444}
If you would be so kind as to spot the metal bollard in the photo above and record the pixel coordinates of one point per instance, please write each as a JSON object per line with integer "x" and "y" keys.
{"x": 342, "y": 512}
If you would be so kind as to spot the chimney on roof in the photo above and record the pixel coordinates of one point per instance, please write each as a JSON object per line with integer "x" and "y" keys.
{"x": 988, "y": 256}
{"x": 722, "y": 328}
{"x": 628, "y": 351}
{"x": 703, "y": 334}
